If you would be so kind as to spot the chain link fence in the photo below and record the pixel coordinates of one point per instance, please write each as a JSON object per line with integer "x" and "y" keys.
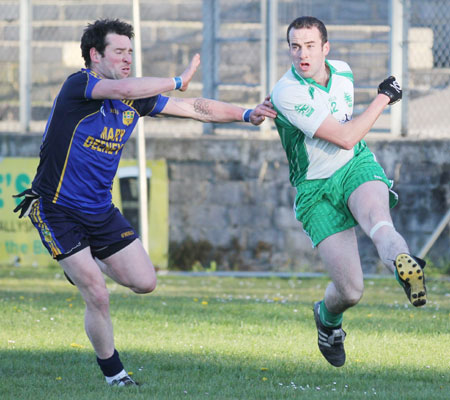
{"x": 174, "y": 30}
{"x": 429, "y": 72}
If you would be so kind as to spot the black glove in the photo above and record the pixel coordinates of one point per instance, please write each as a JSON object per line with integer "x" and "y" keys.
{"x": 25, "y": 205}
{"x": 391, "y": 88}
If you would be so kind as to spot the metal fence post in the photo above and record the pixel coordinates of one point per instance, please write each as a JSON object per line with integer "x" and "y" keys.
{"x": 405, "y": 71}
{"x": 140, "y": 141}
{"x": 210, "y": 54}
{"x": 25, "y": 65}
{"x": 398, "y": 64}
{"x": 269, "y": 12}
{"x": 269, "y": 61}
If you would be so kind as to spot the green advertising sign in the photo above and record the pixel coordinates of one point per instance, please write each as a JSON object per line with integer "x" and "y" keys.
{"x": 19, "y": 241}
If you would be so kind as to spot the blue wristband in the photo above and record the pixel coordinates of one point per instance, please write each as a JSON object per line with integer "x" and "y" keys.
{"x": 246, "y": 115}
{"x": 178, "y": 82}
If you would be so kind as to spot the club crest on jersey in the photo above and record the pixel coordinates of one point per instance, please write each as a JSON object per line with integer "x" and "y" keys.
{"x": 304, "y": 109}
{"x": 127, "y": 117}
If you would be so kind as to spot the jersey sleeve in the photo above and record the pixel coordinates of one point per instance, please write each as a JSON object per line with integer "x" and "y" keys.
{"x": 92, "y": 80}
{"x": 159, "y": 105}
{"x": 150, "y": 106}
{"x": 76, "y": 91}
{"x": 301, "y": 107}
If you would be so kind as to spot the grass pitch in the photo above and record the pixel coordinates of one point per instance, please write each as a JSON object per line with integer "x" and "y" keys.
{"x": 221, "y": 338}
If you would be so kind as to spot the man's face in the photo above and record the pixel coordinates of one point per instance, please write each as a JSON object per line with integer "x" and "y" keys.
{"x": 307, "y": 52}
{"x": 116, "y": 62}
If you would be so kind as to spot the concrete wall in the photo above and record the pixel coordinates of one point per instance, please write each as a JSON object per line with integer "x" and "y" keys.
{"x": 231, "y": 202}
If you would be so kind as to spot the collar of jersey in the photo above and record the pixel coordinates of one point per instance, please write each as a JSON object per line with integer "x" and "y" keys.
{"x": 89, "y": 71}
{"x": 311, "y": 81}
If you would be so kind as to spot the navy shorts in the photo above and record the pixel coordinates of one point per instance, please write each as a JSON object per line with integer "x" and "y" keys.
{"x": 65, "y": 231}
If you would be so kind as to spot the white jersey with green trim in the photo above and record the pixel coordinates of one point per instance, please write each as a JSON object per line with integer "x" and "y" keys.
{"x": 302, "y": 105}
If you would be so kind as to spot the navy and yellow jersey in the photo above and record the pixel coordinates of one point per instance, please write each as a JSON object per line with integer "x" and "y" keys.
{"x": 83, "y": 143}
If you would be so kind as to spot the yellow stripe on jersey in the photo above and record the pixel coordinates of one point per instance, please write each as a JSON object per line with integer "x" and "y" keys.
{"x": 55, "y": 198}
{"x": 129, "y": 103}
{"x": 43, "y": 229}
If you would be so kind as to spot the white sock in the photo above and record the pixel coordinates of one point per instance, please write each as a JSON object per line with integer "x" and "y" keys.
{"x": 120, "y": 375}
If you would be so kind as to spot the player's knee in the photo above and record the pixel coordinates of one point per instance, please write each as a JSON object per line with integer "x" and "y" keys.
{"x": 353, "y": 296}
{"x": 352, "y": 293}
{"x": 97, "y": 297}
{"x": 146, "y": 285}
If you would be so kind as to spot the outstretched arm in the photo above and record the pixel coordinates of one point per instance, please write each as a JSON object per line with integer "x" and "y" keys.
{"x": 139, "y": 88}
{"x": 208, "y": 110}
{"x": 261, "y": 111}
{"x": 347, "y": 135}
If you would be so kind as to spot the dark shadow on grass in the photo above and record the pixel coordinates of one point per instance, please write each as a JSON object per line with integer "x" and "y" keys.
{"x": 74, "y": 375}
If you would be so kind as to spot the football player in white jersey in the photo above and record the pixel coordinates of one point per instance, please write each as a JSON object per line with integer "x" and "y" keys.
{"x": 339, "y": 183}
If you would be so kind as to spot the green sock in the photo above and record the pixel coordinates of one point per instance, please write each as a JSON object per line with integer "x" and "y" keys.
{"x": 329, "y": 319}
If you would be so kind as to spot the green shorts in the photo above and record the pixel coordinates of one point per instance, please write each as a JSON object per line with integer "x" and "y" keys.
{"x": 321, "y": 204}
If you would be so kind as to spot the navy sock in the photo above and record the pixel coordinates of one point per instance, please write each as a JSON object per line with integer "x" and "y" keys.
{"x": 111, "y": 366}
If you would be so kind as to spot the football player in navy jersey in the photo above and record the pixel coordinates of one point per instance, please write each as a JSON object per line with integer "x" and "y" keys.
{"x": 70, "y": 201}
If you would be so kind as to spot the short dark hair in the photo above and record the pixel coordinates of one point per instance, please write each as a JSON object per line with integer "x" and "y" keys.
{"x": 309, "y": 22}
{"x": 94, "y": 36}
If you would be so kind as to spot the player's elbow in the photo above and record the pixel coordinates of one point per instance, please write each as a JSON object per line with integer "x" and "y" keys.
{"x": 347, "y": 144}
{"x": 347, "y": 138}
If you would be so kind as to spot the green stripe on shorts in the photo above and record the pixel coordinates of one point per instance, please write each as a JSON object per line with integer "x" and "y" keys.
{"x": 321, "y": 204}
